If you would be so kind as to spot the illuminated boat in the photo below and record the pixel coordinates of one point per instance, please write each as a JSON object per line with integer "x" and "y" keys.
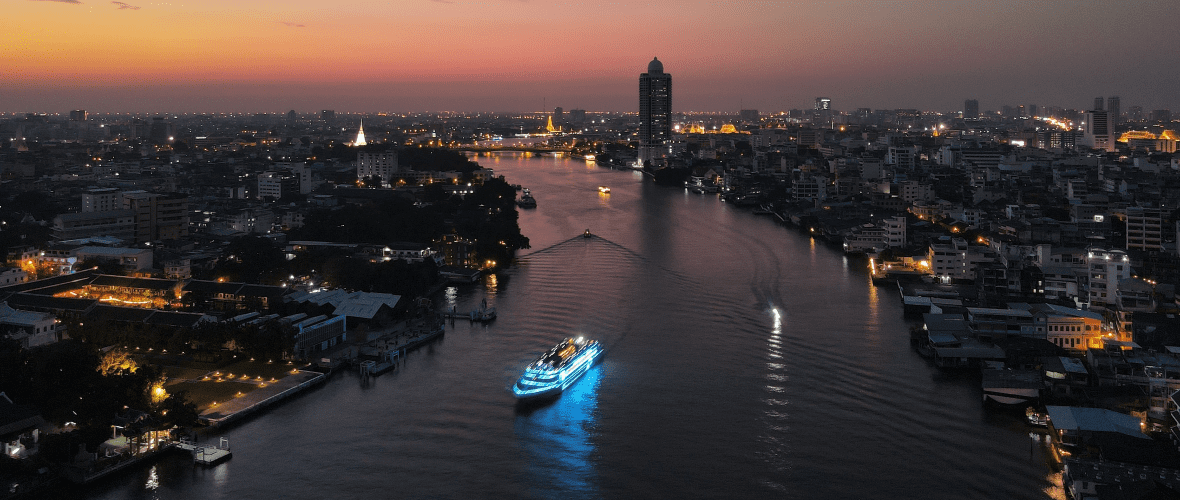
{"x": 603, "y": 189}
{"x": 526, "y": 200}
{"x": 557, "y": 369}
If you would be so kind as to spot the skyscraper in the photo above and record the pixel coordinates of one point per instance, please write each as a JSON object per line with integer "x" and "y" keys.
{"x": 655, "y": 110}
{"x": 1097, "y": 104}
{"x": 823, "y": 111}
{"x": 971, "y": 109}
{"x": 1098, "y": 130}
{"x": 1112, "y": 105}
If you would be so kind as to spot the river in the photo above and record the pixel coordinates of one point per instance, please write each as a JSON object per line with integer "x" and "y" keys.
{"x": 743, "y": 360}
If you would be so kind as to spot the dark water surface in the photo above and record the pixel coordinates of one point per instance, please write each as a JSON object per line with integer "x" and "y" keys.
{"x": 744, "y": 360}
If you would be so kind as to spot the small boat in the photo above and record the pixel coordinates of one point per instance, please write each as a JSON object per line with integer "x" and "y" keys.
{"x": 587, "y": 234}
{"x": 526, "y": 199}
{"x": 603, "y": 190}
{"x": 484, "y": 313}
{"x": 1036, "y": 418}
{"x": 558, "y": 369}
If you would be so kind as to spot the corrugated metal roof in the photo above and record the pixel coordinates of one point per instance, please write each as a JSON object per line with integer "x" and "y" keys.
{"x": 1077, "y": 418}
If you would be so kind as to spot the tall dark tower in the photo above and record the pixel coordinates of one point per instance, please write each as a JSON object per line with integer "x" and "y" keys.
{"x": 971, "y": 109}
{"x": 655, "y": 111}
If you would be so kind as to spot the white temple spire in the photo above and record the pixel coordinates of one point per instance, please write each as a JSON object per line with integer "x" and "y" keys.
{"x": 360, "y": 135}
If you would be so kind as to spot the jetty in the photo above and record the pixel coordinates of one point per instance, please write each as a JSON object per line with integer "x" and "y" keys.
{"x": 207, "y": 455}
{"x": 481, "y": 315}
{"x": 384, "y": 353}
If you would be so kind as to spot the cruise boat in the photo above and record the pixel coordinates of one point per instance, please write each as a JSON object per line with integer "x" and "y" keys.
{"x": 603, "y": 189}
{"x": 557, "y": 369}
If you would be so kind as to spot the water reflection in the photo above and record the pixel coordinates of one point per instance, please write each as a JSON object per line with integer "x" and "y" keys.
{"x": 491, "y": 285}
{"x": 874, "y": 303}
{"x": 153, "y": 480}
{"x": 558, "y": 441}
{"x": 451, "y": 297}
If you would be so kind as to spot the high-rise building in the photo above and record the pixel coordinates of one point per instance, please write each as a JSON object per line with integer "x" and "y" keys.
{"x": 158, "y": 216}
{"x": 577, "y": 116}
{"x": 823, "y": 111}
{"x": 558, "y": 114}
{"x": 1032, "y": 110}
{"x": 1163, "y": 116}
{"x": 102, "y": 200}
{"x": 162, "y": 131}
{"x": 1145, "y": 229}
{"x": 277, "y": 185}
{"x": 971, "y": 109}
{"x": 1098, "y": 103}
{"x": 655, "y": 111}
{"x": 749, "y": 115}
{"x": 1098, "y": 130}
{"x": 1112, "y": 105}
{"x": 328, "y": 115}
{"x": 78, "y": 115}
{"x": 1135, "y": 113}
{"x": 382, "y": 165}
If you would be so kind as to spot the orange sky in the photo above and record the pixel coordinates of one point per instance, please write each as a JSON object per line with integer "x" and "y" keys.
{"x": 370, "y": 55}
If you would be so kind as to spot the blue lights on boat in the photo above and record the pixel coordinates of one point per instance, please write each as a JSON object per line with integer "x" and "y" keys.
{"x": 557, "y": 369}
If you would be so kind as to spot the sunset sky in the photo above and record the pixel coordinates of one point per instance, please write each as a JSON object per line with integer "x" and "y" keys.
{"x": 514, "y": 55}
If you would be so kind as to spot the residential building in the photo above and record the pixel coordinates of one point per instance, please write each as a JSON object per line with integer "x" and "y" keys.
{"x": 102, "y": 200}
{"x": 275, "y": 185}
{"x": 113, "y": 223}
{"x": 1106, "y": 269}
{"x": 383, "y": 165}
{"x": 1145, "y": 229}
{"x": 12, "y": 276}
{"x": 157, "y": 216}
{"x": 30, "y": 328}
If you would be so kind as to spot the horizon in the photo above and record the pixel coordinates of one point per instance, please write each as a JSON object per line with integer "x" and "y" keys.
{"x": 513, "y": 56}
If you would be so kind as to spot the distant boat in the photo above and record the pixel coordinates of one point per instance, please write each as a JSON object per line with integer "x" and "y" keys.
{"x": 526, "y": 199}
{"x": 603, "y": 190}
{"x": 587, "y": 234}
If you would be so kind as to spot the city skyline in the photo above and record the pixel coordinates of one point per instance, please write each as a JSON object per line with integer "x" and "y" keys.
{"x": 438, "y": 55}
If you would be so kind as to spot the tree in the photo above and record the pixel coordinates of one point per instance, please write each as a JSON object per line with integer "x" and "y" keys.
{"x": 117, "y": 362}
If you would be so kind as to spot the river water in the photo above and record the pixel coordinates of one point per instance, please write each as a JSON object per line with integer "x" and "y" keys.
{"x": 744, "y": 360}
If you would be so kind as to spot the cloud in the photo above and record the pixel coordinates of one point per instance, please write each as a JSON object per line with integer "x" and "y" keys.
{"x": 125, "y": 6}
{"x": 58, "y": 1}
{"x": 293, "y": 25}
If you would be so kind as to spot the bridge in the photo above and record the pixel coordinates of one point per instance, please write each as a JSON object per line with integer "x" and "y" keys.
{"x": 540, "y": 150}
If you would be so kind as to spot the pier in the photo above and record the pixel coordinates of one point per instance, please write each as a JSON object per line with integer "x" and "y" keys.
{"x": 207, "y": 455}
{"x": 384, "y": 353}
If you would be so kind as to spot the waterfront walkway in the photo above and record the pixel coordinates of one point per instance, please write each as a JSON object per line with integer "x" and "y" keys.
{"x": 225, "y": 412}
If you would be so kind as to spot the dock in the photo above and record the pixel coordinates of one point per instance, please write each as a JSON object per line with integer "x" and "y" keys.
{"x": 384, "y": 358}
{"x": 206, "y": 455}
{"x": 482, "y": 315}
